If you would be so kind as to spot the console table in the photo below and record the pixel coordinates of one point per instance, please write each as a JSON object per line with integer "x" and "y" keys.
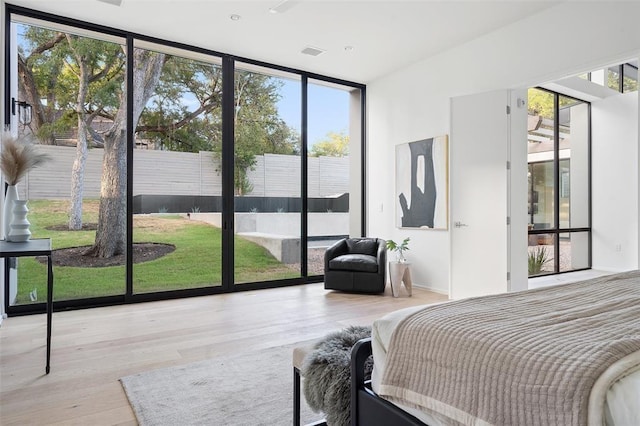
{"x": 32, "y": 248}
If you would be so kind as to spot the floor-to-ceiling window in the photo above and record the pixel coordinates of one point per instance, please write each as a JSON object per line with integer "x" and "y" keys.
{"x": 72, "y": 84}
{"x": 559, "y": 183}
{"x": 333, "y": 156}
{"x": 267, "y": 175}
{"x": 177, "y": 238}
{"x": 174, "y": 170}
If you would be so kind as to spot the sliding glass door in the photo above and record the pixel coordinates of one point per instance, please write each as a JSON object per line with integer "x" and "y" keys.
{"x": 333, "y": 158}
{"x": 67, "y": 89}
{"x": 267, "y": 174}
{"x": 174, "y": 170}
{"x": 177, "y": 193}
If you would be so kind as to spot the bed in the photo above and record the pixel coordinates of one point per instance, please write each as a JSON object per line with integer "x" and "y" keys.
{"x": 567, "y": 354}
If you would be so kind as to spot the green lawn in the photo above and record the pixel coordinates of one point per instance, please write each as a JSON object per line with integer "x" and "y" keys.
{"x": 196, "y": 261}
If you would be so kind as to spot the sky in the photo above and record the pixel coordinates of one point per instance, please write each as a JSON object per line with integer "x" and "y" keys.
{"x": 328, "y": 109}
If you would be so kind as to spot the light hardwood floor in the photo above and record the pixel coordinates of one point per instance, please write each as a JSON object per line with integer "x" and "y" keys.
{"x": 93, "y": 348}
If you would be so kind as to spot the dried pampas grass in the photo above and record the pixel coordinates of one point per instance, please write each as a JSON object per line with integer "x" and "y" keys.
{"x": 18, "y": 157}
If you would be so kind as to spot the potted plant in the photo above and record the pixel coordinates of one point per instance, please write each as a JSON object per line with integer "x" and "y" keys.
{"x": 399, "y": 248}
{"x": 538, "y": 258}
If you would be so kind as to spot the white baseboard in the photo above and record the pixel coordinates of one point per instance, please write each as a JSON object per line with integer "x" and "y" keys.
{"x": 431, "y": 288}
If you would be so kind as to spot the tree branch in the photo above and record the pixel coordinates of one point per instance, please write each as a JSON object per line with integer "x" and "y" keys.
{"x": 47, "y": 45}
{"x": 204, "y": 108}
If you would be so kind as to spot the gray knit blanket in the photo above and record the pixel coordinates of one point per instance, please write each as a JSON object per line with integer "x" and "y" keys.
{"x": 520, "y": 358}
{"x": 327, "y": 374}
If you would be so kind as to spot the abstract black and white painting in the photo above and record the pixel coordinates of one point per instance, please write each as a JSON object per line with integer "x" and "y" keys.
{"x": 422, "y": 184}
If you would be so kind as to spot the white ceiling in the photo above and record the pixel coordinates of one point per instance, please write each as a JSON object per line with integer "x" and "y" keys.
{"x": 385, "y": 35}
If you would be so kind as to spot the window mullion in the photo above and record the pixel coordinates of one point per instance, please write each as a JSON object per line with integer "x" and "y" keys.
{"x": 556, "y": 183}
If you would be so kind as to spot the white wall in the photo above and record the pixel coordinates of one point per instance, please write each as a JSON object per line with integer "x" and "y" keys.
{"x": 398, "y": 114}
{"x": 413, "y": 103}
{"x": 518, "y": 188}
{"x": 615, "y": 182}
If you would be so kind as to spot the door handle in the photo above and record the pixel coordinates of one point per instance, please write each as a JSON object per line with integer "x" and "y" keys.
{"x": 459, "y": 224}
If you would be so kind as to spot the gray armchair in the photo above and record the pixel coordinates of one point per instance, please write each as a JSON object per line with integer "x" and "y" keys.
{"x": 356, "y": 265}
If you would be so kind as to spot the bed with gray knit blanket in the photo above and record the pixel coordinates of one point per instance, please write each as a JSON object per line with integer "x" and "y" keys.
{"x": 551, "y": 356}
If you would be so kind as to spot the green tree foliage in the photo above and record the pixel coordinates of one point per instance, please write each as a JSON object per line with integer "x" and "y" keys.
{"x": 630, "y": 84}
{"x": 333, "y": 145}
{"x": 258, "y": 127}
{"x": 541, "y": 103}
{"x": 71, "y": 80}
{"x": 39, "y": 66}
{"x": 182, "y": 115}
{"x": 184, "y": 112}
{"x": 168, "y": 123}
{"x": 50, "y": 65}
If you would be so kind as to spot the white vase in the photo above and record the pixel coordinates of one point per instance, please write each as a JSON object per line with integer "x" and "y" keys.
{"x": 9, "y": 198}
{"x": 19, "y": 224}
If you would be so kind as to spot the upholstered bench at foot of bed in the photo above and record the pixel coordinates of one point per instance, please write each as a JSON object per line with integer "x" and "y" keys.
{"x": 299, "y": 354}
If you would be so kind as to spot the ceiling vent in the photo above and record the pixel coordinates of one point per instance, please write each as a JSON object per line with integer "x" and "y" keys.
{"x": 312, "y": 51}
{"x": 283, "y": 6}
{"x": 113, "y": 2}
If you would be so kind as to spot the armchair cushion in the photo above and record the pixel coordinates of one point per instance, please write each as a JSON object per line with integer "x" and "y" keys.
{"x": 367, "y": 246}
{"x": 354, "y": 262}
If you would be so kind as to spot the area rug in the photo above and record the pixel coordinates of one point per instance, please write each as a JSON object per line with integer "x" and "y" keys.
{"x": 254, "y": 388}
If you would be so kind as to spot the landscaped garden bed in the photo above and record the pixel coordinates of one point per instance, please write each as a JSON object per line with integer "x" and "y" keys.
{"x": 195, "y": 261}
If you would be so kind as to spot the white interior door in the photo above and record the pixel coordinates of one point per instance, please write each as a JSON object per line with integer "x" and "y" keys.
{"x": 478, "y": 179}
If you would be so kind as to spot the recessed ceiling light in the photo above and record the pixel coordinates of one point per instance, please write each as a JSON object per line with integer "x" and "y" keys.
{"x": 312, "y": 51}
{"x": 235, "y": 17}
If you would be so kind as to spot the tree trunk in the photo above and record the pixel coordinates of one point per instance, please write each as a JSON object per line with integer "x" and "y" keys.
{"x": 77, "y": 172}
{"x": 28, "y": 90}
{"x": 29, "y": 93}
{"x": 77, "y": 179}
{"x": 112, "y": 218}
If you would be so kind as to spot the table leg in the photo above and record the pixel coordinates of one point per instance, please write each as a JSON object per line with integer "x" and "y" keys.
{"x": 297, "y": 394}
{"x": 49, "y": 309}
{"x": 396, "y": 272}
{"x": 406, "y": 279}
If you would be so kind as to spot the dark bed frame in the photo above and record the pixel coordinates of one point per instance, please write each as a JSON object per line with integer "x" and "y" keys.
{"x": 367, "y": 408}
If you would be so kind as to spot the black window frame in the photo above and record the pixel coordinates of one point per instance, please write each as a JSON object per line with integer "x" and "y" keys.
{"x": 228, "y": 62}
{"x": 620, "y": 69}
{"x": 556, "y": 231}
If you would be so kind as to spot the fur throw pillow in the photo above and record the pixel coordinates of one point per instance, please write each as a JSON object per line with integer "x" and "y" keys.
{"x": 327, "y": 374}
